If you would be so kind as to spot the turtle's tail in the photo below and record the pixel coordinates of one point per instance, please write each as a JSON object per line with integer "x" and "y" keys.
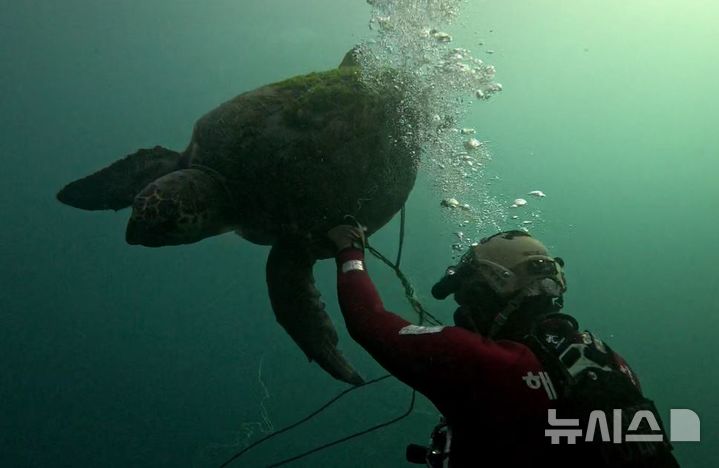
{"x": 299, "y": 309}
{"x": 115, "y": 187}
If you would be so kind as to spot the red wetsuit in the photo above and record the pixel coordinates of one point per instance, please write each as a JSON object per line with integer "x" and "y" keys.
{"x": 479, "y": 385}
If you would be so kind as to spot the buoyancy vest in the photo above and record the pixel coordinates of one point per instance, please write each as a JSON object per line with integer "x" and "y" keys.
{"x": 617, "y": 426}
{"x": 598, "y": 405}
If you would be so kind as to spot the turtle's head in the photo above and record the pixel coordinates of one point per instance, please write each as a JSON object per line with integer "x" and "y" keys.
{"x": 182, "y": 207}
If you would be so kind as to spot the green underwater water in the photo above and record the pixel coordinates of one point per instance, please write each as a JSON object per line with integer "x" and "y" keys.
{"x": 116, "y": 355}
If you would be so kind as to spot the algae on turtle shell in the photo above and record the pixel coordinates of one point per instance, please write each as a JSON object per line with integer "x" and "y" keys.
{"x": 279, "y": 165}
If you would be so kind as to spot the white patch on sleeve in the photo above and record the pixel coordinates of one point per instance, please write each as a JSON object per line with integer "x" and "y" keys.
{"x": 352, "y": 265}
{"x": 417, "y": 330}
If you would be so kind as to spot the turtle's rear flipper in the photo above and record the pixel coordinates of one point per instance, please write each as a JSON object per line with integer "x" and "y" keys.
{"x": 299, "y": 309}
{"x": 115, "y": 187}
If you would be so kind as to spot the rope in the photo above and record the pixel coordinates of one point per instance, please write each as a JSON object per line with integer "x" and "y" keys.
{"x": 401, "y": 236}
{"x": 352, "y": 436}
{"x": 301, "y": 421}
{"x": 424, "y": 316}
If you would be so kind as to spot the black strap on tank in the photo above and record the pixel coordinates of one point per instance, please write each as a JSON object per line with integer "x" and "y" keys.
{"x": 424, "y": 317}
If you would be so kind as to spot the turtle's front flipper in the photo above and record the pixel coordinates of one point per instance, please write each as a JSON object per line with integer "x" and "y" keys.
{"x": 299, "y": 309}
{"x": 115, "y": 187}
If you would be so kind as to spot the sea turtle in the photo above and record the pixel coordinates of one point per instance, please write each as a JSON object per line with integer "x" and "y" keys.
{"x": 279, "y": 165}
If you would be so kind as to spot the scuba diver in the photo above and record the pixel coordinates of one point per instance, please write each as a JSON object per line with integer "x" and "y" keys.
{"x": 516, "y": 382}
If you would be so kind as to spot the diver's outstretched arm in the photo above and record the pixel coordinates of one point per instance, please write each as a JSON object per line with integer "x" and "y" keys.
{"x": 447, "y": 364}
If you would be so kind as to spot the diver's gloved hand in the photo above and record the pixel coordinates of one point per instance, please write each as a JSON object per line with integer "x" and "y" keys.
{"x": 344, "y": 236}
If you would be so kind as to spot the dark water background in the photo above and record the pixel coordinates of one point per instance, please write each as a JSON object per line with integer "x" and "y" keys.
{"x": 112, "y": 355}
